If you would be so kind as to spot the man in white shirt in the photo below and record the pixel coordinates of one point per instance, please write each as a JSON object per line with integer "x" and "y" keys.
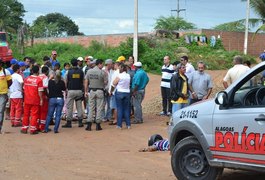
{"x": 167, "y": 71}
{"x": 235, "y": 72}
{"x": 113, "y": 105}
{"x": 189, "y": 67}
{"x": 109, "y": 71}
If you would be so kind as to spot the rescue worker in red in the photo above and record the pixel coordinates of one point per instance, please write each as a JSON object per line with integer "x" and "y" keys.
{"x": 45, "y": 104}
{"x": 33, "y": 89}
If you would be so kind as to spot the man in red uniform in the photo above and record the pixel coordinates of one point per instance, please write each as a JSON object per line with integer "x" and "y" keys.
{"x": 33, "y": 89}
{"x": 45, "y": 104}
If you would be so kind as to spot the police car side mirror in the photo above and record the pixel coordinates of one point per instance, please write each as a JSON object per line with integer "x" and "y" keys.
{"x": 221, "y": 98}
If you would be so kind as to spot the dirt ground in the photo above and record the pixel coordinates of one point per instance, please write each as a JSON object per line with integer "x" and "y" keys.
{"x": 108, "y": 154}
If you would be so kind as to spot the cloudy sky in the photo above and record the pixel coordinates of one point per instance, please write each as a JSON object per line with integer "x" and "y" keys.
{"x": 117, "y": 16}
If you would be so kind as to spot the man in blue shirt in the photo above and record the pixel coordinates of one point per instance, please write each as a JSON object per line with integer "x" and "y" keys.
{"x": 27, "y": 61}
{"x": 140, "y": 80}
{"x": 53, "y": 59}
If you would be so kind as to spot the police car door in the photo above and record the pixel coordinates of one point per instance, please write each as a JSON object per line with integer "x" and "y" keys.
{"x": 239, "y": 128}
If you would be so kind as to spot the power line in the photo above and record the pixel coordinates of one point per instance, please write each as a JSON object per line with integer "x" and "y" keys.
{"x": 178, "y": 10}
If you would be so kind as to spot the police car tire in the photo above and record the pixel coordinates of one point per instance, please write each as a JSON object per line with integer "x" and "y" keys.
{"x": 189, "y": 151}
{"x": 154, "y": 138}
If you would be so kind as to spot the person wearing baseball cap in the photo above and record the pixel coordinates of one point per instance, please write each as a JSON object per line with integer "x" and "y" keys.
{"x": 139, "y": 82}
{"x": 12, "y": 63}
{"x": 21, "y": 63}
{"x": 88, "y": 60}
{"x": 93, "y": 63}
{"x": 80, "y": 62}
{"x": 121, "y": 59}
{"x": 53, "y": 59}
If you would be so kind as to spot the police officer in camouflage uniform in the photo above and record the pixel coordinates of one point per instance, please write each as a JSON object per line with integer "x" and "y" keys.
{"x": 74, "y": 79}
{"x": 95, "y": 82}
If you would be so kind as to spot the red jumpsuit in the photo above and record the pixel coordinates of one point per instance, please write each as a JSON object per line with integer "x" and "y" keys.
{"x": 32, "y": 86}
{"x": 45, "y": 104}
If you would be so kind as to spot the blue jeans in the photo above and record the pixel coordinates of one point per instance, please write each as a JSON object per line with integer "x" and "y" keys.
{"x": 137, "y": 103}
{"x": 178, "y": 106}
{"x": 54, "y": 104}
{"x": 123, "y": 108}
{"x": 113, "y": 102}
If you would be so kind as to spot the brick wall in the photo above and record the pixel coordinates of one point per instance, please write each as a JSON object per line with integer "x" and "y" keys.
{"x": 231, "y": 40}
{"x": 235, "y": 40}
{"x": 109, "y": 39}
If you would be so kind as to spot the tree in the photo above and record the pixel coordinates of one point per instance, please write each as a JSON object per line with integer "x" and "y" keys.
{"x": 172, "y": 23}
{"x": 237, "y": 26}
{"x": 11, "y": 15}
{"x": 54, "y": 25}
{"x": 259, "y": 8}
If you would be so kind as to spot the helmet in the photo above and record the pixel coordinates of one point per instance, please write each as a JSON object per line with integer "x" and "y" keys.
{"x": 154, "y": 138}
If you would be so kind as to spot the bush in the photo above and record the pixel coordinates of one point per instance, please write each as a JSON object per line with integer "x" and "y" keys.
{"x": 151, "y": 51}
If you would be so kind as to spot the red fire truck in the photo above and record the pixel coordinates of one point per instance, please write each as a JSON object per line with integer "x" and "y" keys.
{"x": 5, "y": 51}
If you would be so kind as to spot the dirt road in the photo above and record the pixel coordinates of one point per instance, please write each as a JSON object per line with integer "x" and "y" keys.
{"x": 108, "y": 154}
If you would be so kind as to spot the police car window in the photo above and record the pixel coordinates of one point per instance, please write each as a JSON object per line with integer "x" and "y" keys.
{"x": 251, "y": 93}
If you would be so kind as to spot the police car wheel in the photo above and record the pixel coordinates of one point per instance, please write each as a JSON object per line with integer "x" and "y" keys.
{"x": 188, "y": 161}
{"x": 154, "y": 138}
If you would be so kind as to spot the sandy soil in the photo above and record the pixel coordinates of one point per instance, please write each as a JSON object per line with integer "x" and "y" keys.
{"x": 108, "y": 154}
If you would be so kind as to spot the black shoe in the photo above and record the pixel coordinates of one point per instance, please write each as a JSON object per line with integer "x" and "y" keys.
{"x": 52, "y": 123}
{"x": 88, "y": 128}
{"x": 46, "y": 131}
{"x": 98, "y": 127}
{"x": 67, "y": 125}
{"x": 80, "y": 123}
{"x": 56, "y": 132}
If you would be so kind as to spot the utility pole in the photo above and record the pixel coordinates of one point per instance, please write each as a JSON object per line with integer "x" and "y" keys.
{"x": 135, "y": 34}
{"x": 178, "y": 10}
{"x": 246, "y": 30}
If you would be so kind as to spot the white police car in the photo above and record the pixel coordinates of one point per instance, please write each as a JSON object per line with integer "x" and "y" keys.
{"x": 225, "y": 132}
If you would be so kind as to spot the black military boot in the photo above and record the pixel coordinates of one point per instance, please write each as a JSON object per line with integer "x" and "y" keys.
{"x": 98, "y": 127}
{"x": 88, "y": 128}
{"x": 67, "y": 125}
{"x": 80, "y": 123}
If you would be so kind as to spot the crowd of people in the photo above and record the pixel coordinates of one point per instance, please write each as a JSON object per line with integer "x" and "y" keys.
{"x": 182, "y": 85}
{"x": 41, "y": 95}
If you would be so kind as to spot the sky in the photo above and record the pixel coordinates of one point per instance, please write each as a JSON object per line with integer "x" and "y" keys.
{"x": 95, "y": 17}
